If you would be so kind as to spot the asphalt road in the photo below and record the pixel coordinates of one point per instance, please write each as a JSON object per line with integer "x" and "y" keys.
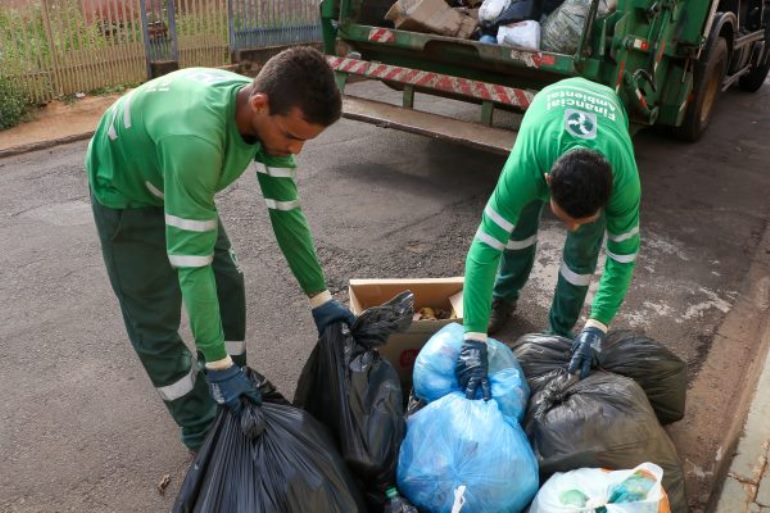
{"x": 83, "y": 429}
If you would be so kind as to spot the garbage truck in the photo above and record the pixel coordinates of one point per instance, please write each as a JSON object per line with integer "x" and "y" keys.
{"x": 668, "y": 60}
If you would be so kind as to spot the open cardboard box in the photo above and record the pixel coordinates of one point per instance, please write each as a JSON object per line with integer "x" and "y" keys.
{"x": 402, "y": 348}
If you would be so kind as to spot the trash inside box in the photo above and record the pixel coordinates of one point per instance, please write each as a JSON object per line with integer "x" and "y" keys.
{"x": 436, "y": 293}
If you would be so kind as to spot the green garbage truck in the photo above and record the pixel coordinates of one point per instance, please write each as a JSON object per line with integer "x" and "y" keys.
{"x": 669, "y": 60}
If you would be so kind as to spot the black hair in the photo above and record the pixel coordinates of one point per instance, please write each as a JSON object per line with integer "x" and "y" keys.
{"x": 581, "y": 182}
{"x": 300, "y": 77}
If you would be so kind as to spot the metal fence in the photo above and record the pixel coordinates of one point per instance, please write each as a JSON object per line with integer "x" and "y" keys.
{"x": 52, "y": 48}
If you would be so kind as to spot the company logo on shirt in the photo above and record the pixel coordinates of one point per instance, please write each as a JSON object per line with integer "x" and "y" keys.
{"x": 580, "y": 124}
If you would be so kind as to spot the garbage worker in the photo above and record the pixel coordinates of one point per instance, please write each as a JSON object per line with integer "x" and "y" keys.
{"x": 155, "y": 163}
{"x": 573, "y": 153}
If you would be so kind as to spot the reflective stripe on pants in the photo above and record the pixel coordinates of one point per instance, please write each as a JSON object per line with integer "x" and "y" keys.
{"x": 580, "y": 254}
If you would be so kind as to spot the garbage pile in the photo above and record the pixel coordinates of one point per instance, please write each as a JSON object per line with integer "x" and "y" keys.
{"x": 549, "y": 25}
{"x": 545, "y": 443}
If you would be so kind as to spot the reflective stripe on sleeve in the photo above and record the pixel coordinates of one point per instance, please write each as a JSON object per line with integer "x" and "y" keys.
{"x": 191, "y": 225}
{"x": 498, "y": 219}
{"x": 127, "y": 111}
{"x": 281, "y": 205}
{"x": 521, "y": 244}
{"x": 190, "y": 260}
{"x": 276, "y": 172}
{"x": 489, "y": 240}
{"x": 578, "y": 280}
{"x": 180, "y": 388}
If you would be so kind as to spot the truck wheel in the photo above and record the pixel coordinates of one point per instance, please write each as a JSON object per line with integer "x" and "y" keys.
{"x": 754, "y": 79}
{"x": 709, "y": 76}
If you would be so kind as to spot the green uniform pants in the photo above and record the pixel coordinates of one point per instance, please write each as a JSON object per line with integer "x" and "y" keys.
{"x": 134, "y": 250}
{"x": 581, "y": 252}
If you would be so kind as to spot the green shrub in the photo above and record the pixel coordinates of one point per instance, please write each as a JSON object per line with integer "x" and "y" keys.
{"x": 13, "y": 104}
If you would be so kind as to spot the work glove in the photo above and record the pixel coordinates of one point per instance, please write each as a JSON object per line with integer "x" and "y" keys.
{"x": 329, "y": 313}
{"x": 228, "y": 386}
{"x": 472, "y": 369}
{"x": 397, "y": 504}
{"x": 585, "y": 351}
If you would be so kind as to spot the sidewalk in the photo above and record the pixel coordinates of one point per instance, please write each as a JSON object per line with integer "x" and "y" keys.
{"x": 746, "y": 488}
{"x": 56, "y": 123}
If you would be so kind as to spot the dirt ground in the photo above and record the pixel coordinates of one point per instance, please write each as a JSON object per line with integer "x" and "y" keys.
{"x": 83, "y": 429}
{"x": 57, "y": 120}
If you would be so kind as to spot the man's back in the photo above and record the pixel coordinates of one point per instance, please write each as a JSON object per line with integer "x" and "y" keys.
{"x": 186, "y": 116}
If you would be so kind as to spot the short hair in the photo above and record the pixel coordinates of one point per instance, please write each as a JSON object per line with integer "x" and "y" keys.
{"x": 300, "y": 77}
{"x": 581, "y": 182}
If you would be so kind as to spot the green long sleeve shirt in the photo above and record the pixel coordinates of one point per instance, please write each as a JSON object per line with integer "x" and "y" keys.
{"x": 572, "y": 113}
{"x": 173, "y": 143}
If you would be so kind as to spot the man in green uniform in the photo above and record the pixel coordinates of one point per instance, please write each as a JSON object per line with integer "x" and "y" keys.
{"x": 574, "y": 153}
{"x": 157, "y": 159}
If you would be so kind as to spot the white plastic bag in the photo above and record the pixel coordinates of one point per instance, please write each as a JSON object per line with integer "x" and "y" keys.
{"x": 491, "y": 9}
{"x": 525, "y": 34}
{"x": 586, "y": 489}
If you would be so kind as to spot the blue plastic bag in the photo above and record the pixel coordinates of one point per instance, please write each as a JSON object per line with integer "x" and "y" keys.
{"x": 434, "y": 372}
{"x": 459, "y": 451}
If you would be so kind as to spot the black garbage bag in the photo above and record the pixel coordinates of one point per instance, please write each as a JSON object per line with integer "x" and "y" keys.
{"x": 661, "y": 373}
{"x": 604, "y": 421}
{"x": 357, "y": 395}
{"x": 291, "y": 467}
{"x": 540, "y": 355}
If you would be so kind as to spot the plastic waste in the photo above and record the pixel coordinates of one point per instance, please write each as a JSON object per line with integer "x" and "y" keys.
{"x": 291, "y": 467}
{"x": 491, "y": 9}
{"x": 434, "y": 371}
{"x": 519, "y": 10}
{"x": 598, "y": 490}
{"x": 462, "y": 453}
{"x": 524, "y": 34}
{"x": 397, "y": 504}
{"x": 604, "y": 420}
{"x": 562, "y": 28}
{"x": 488, "y": 39}
{"x": 357, "y": 395}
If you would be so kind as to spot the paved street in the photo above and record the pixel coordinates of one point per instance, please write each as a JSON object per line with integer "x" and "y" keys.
{"x": 83, "y": 429}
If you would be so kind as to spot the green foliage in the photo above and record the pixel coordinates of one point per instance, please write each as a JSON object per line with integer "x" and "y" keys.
{"x": 13, "y": 104}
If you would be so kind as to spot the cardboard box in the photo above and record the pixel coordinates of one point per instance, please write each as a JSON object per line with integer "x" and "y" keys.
{"x": 434, "y": 16}
{"x": 402, "y": 348}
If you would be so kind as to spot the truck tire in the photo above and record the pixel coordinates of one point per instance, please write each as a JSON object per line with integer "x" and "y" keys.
{"x": 709, "y": 76}
{"x": 753, "y": 80}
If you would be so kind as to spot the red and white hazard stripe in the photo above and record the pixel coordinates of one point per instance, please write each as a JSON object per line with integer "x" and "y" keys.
{"x": 446, "y": 83}
{"x": 381, "y": 35}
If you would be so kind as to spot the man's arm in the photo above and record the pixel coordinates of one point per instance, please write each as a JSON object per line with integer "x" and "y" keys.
{"x": 516, "y": 187}
{"x": 191, "y": 169}
{"x": 623, "y": 243}
{"x": 276, "y": 179}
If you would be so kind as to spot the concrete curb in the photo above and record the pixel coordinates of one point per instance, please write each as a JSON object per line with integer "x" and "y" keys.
{"x": 42, "y": 145}
{"x": 742, "y": 466}
{"x": 746, "y": 488}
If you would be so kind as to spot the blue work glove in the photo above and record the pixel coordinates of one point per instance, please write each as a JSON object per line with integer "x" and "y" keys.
{"x": 472, "y": 369}
{"x": 227, "y": 386}
{"x": 585, "y": 351}
{"x": 329, "y": 313}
